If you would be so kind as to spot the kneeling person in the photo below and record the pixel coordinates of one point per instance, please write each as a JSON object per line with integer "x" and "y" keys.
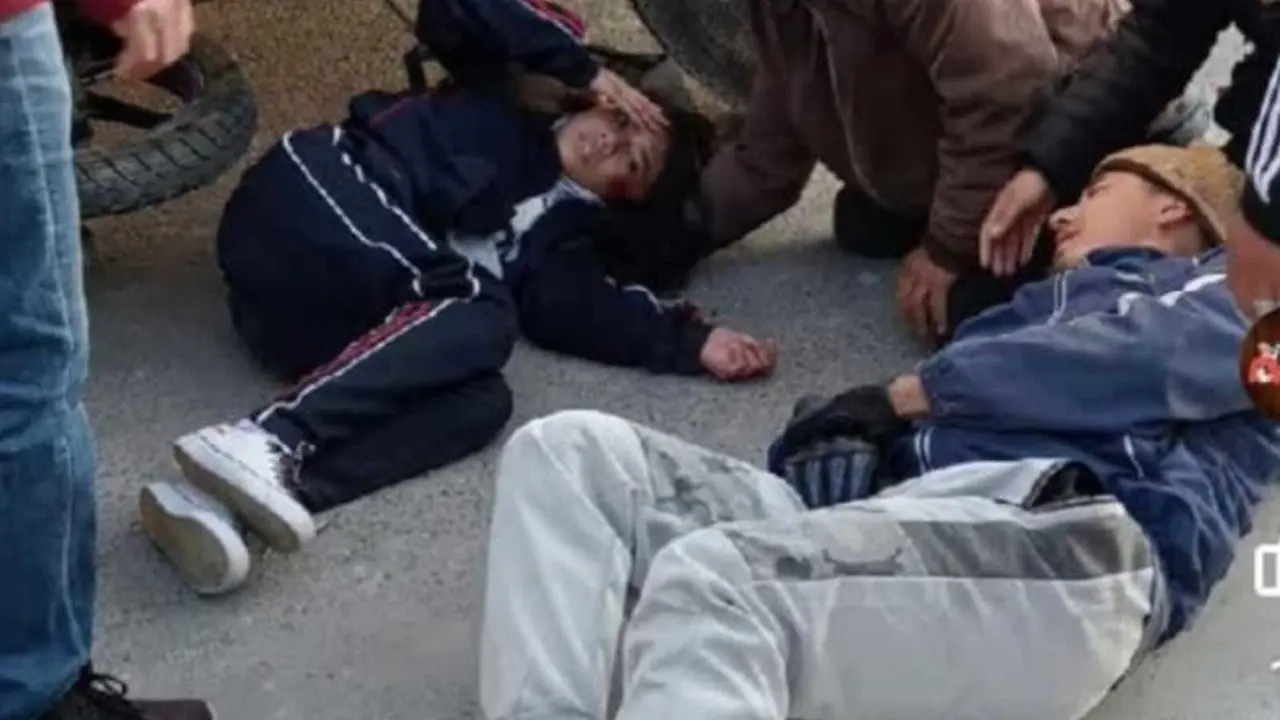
{"x": 1061, "y": 488}
{"x": 389, "y": 261}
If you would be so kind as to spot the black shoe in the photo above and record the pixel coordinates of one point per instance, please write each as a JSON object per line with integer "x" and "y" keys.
{"x": 102, "y": 697}
{"x": 867, "y": 229}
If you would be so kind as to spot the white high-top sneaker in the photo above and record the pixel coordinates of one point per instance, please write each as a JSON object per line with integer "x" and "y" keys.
{"x": 197, "y": 534}
{"x": 247, "y": 469}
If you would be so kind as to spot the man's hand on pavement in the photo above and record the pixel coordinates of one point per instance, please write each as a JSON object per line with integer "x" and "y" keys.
{"x": 1008, "y": 235}
{"x": 156, "y": 34}
{"x": 730, "y": 355}
{"x": 923, "y": 288}
{"x": 1253, "y": 269}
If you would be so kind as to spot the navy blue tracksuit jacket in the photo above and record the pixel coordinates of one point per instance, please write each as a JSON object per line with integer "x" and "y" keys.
{"x": 391, "y": 260}
{"x": 1127, "y": 366}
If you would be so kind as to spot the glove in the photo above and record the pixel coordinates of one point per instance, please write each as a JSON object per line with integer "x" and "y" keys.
{"x": 864, "y": 412}
{"x": 830, "y": 472}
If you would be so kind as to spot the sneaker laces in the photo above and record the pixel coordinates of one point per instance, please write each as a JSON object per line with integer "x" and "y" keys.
{"x": 289, "y": 466}
{"x": 285, "y": 464}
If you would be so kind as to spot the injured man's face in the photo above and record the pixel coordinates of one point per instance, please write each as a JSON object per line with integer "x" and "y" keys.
{"x": 608, "y": 154}
{"x": 1123, "y": 209}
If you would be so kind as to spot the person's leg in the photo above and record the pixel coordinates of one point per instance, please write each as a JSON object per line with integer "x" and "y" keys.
{"x": 203, "y": 540}
{"x": 420, "y": 350}
{"x": 441, "y": 428}
{"x": 287, "y": 259}
{"x": 867, "y": 229}
{"x": 583, "y": 503}
{"x": 879, "y": 608}
{"x": 46, "y": 456}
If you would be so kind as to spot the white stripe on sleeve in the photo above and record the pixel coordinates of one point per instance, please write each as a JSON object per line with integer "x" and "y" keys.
{"x": 1263, "y": 159}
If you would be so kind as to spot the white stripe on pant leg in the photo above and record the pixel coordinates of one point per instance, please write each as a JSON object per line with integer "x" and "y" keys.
{"x": 337, "y": 372}
{"x": 287, "y": 143}
{"x": 878, "y": 619}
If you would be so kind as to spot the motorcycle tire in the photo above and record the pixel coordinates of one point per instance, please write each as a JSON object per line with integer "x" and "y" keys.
{"x": 709, "y": 39}
{"x": 189, "y": 151}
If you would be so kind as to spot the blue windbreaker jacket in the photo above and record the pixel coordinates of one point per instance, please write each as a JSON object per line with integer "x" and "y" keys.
{"x": 1128, "y": 365}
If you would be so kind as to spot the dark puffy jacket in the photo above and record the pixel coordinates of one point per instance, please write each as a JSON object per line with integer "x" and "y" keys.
{"x": 1117, "y": 92}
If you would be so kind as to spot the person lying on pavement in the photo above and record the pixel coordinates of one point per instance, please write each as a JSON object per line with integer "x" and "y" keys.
{"x": 1156, "y": 51}
{"x": 1001, "y": 534}
{"x": 385, "y": 264}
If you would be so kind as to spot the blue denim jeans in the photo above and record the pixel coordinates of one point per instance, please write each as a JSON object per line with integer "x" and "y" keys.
{"x": 46, "y": 455}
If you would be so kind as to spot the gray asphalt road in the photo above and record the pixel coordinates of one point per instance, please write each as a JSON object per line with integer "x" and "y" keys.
{"x": 376, "y": 619}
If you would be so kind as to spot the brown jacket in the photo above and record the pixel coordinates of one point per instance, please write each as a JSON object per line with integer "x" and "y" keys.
{"x": 919, "y": 103}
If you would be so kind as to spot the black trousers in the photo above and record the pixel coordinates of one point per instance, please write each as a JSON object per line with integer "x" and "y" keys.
{"x": 395, "y": 364}
{"x": 383, "y": 409}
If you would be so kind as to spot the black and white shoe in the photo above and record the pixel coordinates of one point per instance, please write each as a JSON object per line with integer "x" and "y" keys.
{"x": 248, "y": 469}
{"x": 197, "y": 534}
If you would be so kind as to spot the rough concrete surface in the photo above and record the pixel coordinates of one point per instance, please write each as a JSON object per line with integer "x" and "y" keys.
{"x": 376, "y": 619}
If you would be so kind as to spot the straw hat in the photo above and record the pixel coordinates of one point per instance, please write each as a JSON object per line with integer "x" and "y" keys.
{"x": 1201, "y": 174}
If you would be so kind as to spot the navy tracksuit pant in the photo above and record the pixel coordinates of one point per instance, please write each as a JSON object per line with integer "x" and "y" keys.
{"x": 394, "y": 343}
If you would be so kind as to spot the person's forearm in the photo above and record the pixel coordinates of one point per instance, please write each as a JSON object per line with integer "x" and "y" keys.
{"x": 988, "y": 80}
{"x": 474, "y": 38}
{"x": 1261, "y": 202}
{"x": 569, "y": 305}
{"x": 1121, "y": 87}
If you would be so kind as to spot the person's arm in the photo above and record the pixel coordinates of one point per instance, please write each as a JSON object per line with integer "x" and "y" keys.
{"x": 477, "y": 39}
{"x": 1122, "y": 87}
{"x": 1262, "y": 164}
{"x": 757, "y": 175}
{"x": 991, "y": 62}
{"x": 1160, "y": 359}
{"x": 567, "y": 304}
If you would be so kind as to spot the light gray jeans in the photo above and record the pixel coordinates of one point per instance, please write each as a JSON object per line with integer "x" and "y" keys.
{"x": 714, "y": 594}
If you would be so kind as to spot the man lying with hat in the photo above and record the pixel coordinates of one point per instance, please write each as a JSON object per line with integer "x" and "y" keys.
{"x": 1001, "y": 534}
